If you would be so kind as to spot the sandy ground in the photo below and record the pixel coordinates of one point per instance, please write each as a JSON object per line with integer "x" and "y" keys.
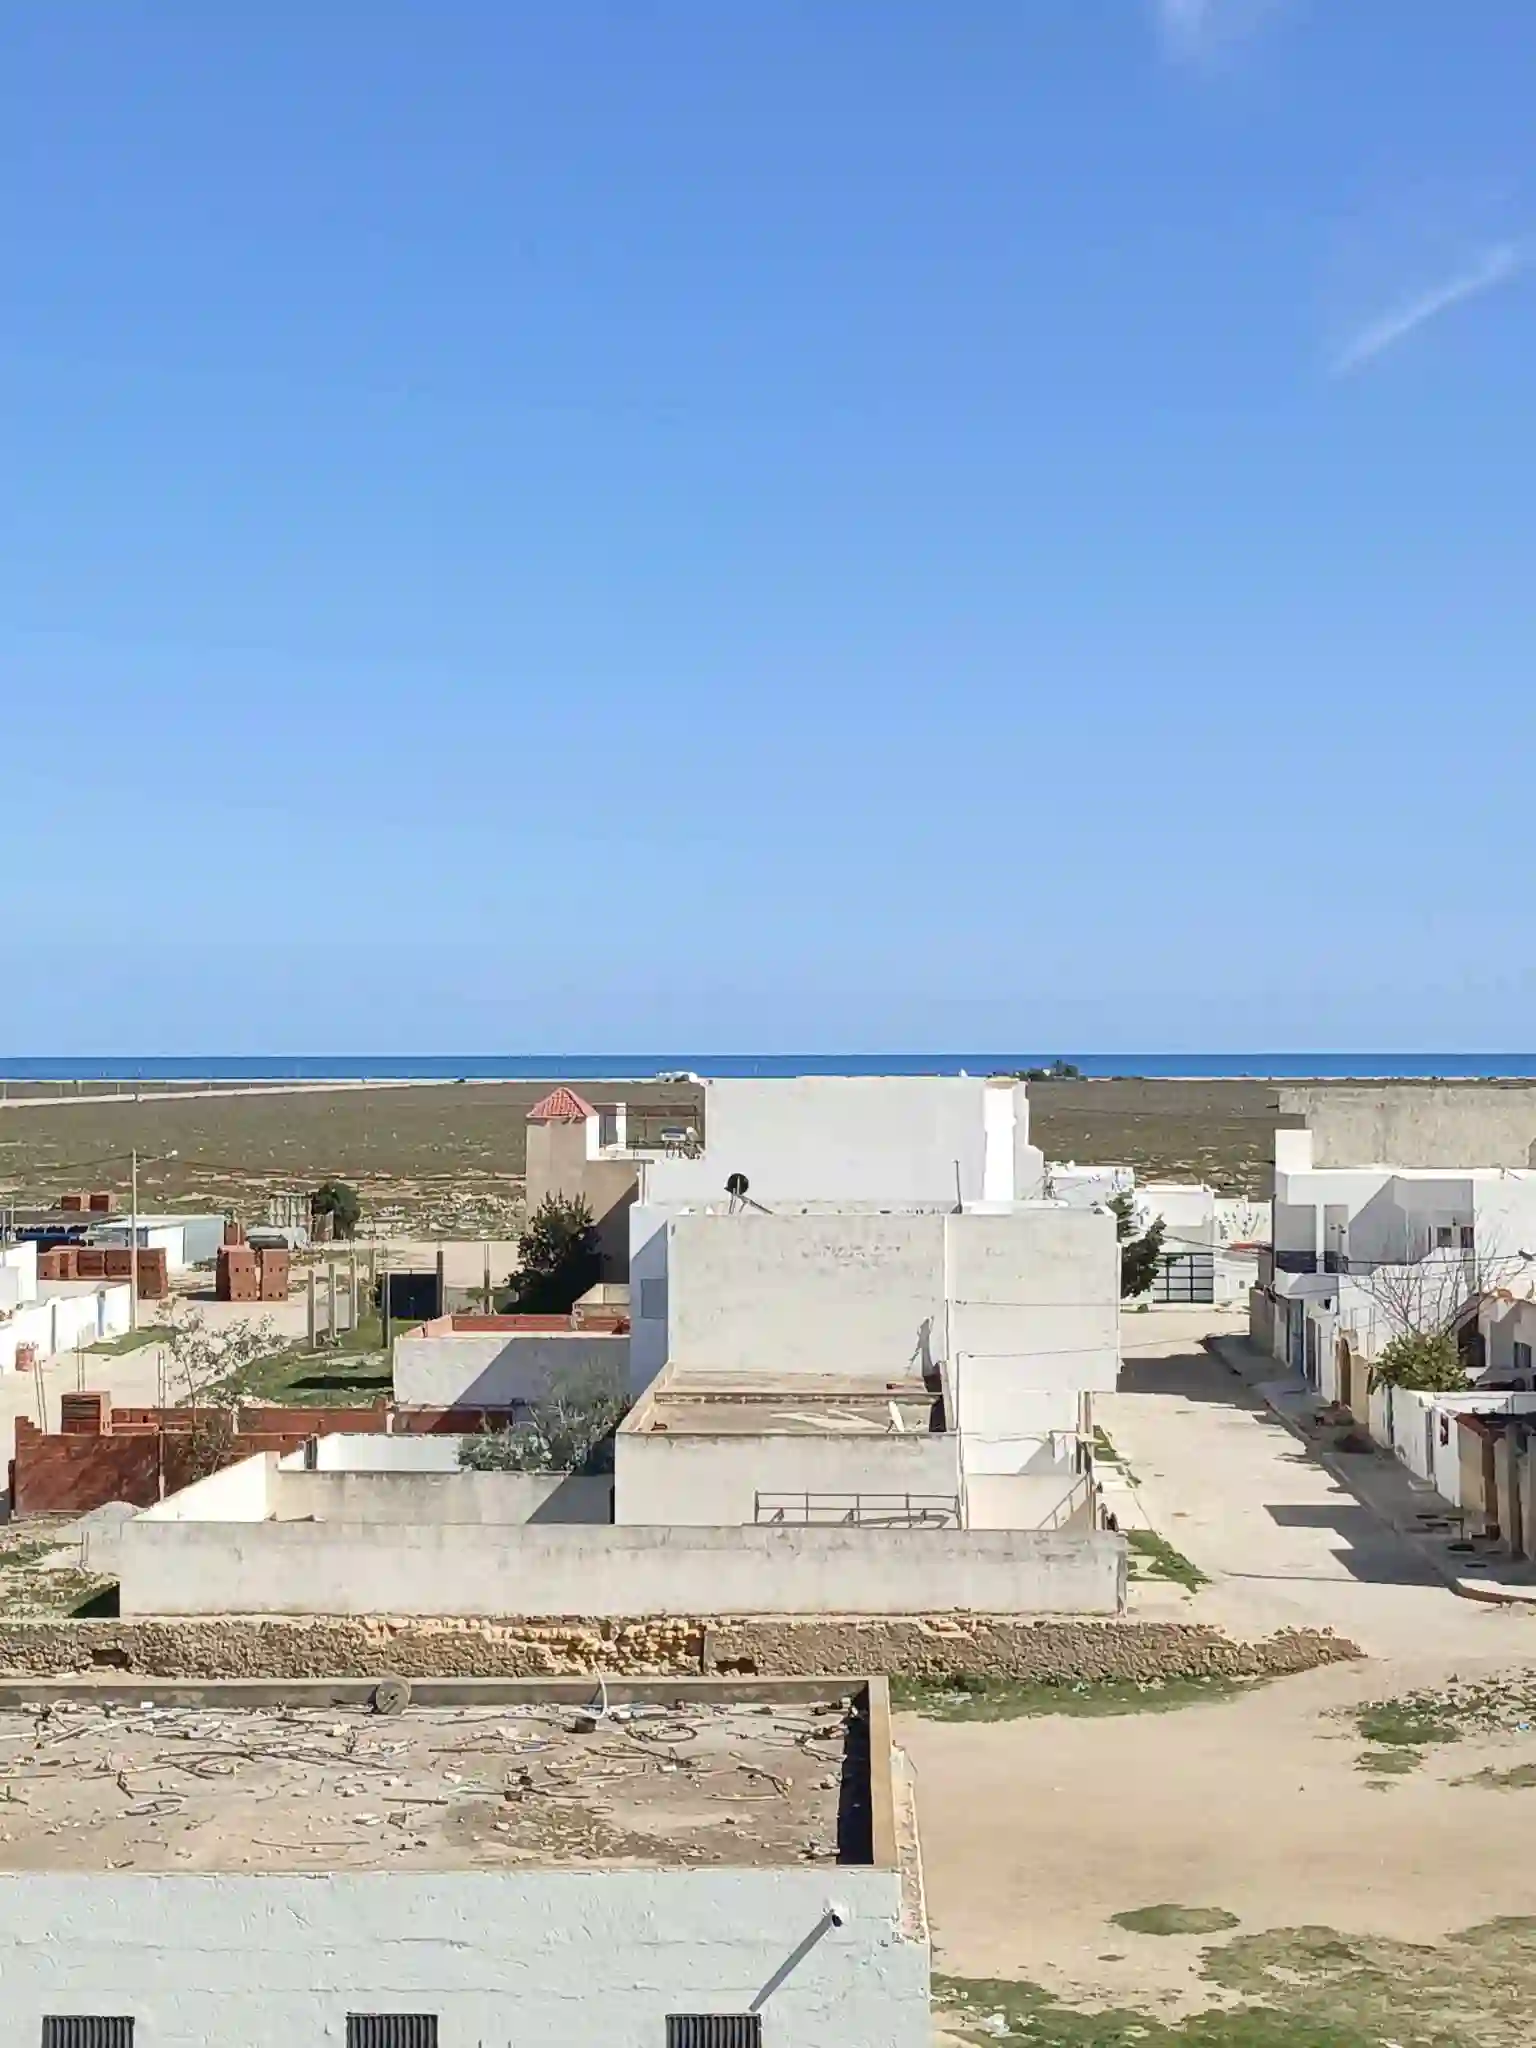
{"x": 1036, "y": 1831}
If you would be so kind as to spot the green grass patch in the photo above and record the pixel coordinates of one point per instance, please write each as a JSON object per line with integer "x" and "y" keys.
{"x": 1402, "y": 1724}
{"x": 1389, "y": 1763}
{"x": 351, "y": 1373}
{"x": 1294, "y": 1987}
{"x": 1521, "y": 1779}
{"x": 1153, "y": 1557}
{"x": 1028, "y": 2013}
{"x": 976, "y": 1696}
{"x": 131, "y": 1340}
{"x": 1167, "y": 1919}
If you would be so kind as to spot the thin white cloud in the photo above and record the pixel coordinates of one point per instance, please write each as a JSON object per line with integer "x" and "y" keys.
{"x": 1494, "y": 266}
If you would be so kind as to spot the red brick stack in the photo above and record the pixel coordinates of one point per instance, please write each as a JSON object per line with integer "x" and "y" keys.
{"x": 272, "y": 1267}
{"x": 234, "y": 1231}
{"x": 72, "y": 1204}
{"x": 85, "y": 1414}
{"x": 238, "y": 1278}
{"x": 90, "y": 1261}
{"x": 99, "y": 1202}
{"x": 62, "y": 1263}
{"x": 154, "y": 1282}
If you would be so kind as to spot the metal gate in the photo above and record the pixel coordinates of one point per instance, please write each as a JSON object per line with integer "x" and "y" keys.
{"x": 1187, "y": 1276}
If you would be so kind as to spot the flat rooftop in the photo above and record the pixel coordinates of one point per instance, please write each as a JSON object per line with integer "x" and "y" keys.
{"x": 150, "y": 1786}
{"x": 787, "y": 1404}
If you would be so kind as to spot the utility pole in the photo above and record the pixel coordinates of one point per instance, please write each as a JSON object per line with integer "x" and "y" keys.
{"x": 133, "y": 1242}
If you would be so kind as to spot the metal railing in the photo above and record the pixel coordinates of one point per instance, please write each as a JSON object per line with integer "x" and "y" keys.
{"x": 1072, "y": 1502}
{"x": 860, "y": 1510}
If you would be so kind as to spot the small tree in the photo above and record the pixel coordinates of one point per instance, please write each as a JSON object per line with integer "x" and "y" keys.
{"x": 334, "y": 1209}
{"x": 559, "y": 1257}
{"x": 1141, "y": 1252}
{"x": 1428, "y": 1303}
{"x": 209, "y": 1372}
{"x": 569, "y": 1430}
{"x": 1428, "y": 1361}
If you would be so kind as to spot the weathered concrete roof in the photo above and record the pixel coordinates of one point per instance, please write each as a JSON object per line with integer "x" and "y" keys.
{"x": 156, "y": 1787}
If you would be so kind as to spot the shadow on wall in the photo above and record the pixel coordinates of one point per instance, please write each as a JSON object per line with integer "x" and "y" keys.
{"x": 571, "y": 1501}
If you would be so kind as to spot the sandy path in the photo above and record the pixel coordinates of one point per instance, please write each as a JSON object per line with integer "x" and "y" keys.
{"x": 1036, "y": 1831}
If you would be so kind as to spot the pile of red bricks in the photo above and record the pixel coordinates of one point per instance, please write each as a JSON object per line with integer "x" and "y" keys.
{"x": 97, "y": 1203}
{"x": 107, "y": 1262}
{"x": 246, "y": 1275}
{"x": 237, "y": 1277}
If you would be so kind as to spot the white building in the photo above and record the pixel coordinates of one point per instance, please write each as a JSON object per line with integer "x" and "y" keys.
{"x": 41, "y": 1318}
{"x": 985, "y": 1331}
{"x": 831, "y": 1143}
{"x": 481, "y": 1866}
{"x": 186, "y": 1240}
{"x": 1350, "y": 1243}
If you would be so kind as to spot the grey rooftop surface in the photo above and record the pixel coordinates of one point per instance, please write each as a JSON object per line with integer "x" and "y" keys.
{"x": 143, "y": 1786}
{"x": 697, "y": 1403}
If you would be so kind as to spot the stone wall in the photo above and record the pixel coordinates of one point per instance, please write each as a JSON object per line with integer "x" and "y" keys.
{"x": 907, "y": 1646}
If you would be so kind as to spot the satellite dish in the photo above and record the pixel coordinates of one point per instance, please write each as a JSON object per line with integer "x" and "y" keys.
{"x": 736, "y": 1186}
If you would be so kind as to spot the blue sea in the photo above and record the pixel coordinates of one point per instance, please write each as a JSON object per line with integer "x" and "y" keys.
{"x": 640, "y": 1066}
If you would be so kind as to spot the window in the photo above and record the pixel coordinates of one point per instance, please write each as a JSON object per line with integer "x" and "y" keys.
{"x": 87, "y": 2030}
{"x": 714, "y": 2030}
{"x": 391, "y": 2030}
{"x": 1522, "y": 1358}
{"x": 1468, "y": 1237}
{"x": 1442, "y": 1237}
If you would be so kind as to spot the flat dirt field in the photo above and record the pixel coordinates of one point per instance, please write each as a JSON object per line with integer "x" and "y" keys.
{"x": 1256, "y": 1872}
{"x": 430, "y": 1160}
{"x": 1216, "y": 1131}
{"x": 451, "y": 1157}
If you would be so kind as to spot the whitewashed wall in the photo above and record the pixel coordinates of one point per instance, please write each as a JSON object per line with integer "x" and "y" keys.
{"x": 486, "y": 1499}
{"x": 715, "y": 1480}
{"x": 515, "y": 1959}
{"x": 194, "y": 1567}
{"x": 850, "y": 1295}
{"x": 498, "y": 1368}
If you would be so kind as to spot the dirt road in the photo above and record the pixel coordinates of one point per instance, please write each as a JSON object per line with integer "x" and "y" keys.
{"x": 1255, "y": 1811}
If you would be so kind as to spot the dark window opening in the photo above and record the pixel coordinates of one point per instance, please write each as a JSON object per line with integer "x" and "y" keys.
{"x": 714, "y": 2030}
{"x": 391, "y": 2030}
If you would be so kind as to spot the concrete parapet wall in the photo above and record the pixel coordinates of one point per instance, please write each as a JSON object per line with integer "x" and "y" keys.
{"x": 1061, "y": 1651}
{"x": 171, "y": 1567}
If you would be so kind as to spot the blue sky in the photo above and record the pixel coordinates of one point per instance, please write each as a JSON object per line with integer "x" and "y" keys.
{"x": 772, "y": 526}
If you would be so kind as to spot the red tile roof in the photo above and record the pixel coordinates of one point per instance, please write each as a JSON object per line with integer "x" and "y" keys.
{"x": 561, "y": 1106}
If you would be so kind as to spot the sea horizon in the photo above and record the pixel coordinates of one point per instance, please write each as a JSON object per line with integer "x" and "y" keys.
{"x": 448, "y": 1067}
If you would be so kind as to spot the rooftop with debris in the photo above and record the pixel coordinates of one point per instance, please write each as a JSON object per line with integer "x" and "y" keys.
{"x": 695, "y": 1403}
{"x": 152, "y": 1787}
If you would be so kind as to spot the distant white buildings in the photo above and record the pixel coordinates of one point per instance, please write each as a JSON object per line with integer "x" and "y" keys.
{"x": 1368, "y": 1250}
{"x": 40, "y": 1318}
